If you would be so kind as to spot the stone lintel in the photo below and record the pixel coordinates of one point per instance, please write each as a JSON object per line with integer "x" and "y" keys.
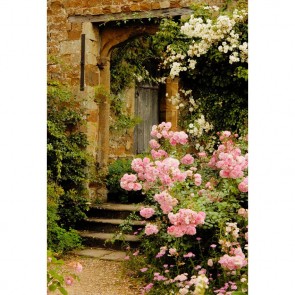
{"x": 159, "y": 13}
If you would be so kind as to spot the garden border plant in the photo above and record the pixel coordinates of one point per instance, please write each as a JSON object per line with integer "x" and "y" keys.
{"x": 195, "y": 211}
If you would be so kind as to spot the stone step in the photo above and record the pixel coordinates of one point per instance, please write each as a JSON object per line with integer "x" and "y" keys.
{"x": 101, "y": 253}
{"x": 108, "y": 225}
{"x": 113, "y": 210}
{"x": 98, "y": 239}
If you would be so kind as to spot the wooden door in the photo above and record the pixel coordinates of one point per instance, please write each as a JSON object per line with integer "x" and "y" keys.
{"x": 147, "y": 108}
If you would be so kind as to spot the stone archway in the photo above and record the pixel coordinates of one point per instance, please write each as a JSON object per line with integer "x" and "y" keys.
{"x": 102, "y": 36}
{"x": 110, "y": 38}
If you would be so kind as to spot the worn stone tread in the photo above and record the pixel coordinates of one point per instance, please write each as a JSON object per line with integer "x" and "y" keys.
{"x": 113, "y": 221}
{"x": 119, "y": 207}
{"x": 102, "y": 254}
{"x": 106, "y": 236}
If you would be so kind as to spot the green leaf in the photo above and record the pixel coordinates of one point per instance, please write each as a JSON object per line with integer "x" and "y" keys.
{"x": 52, "y": 287}
{"x": 63, "y": 290}
{"x": 238, "y": 293}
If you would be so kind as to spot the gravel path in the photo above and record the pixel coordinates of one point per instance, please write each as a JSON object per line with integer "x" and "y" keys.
{"x": 100, "y": 277}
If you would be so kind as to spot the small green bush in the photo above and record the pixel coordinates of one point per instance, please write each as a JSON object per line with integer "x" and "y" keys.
{"x": 58, "y": 239}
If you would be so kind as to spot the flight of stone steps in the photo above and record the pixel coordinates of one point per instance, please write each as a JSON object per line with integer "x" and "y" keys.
{"x": 102, "y": 223}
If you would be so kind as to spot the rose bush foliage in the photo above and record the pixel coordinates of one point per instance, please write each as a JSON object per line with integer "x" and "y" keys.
{"x": 194, "y": 233}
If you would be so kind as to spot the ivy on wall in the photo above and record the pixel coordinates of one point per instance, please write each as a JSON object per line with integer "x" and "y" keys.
{"x": 67, "y": 167}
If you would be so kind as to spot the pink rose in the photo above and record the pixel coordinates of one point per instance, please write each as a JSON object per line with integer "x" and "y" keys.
{"x": 198, "y": 179}
{"x": 154, "y": 144}
{"x": 243, "y": 186}
{"x": 151, "y": 229}
{"x": 187, "y": 159}
{"x": 69, "y": 281}
{"x": 147, "y": 212}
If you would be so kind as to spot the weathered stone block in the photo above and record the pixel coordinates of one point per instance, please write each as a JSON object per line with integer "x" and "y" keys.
{"x": 74, "y": 35}
{"x": 156, "y": 5}
{"x": 134, "y": 7}
{"x": 145, "y": 6}
{"x": 116, "y": 9}
{"x": 96, "y": 10}
{"x": 68, "y": 47}
{"x": 57, "y": 26}
{"x": 90, "y": 31}
{"x": 72, "y": 58}
{"x": 165, "y": 4}
{"x": 185, "y": 3}
{"x": 174, "y": 4}
{"x": 75, "y": 81}
{"x": 125, "y": 8}
{"x": 69, "y": 26}
{"x": 91, "y": 75}
{"x": 91, "y": 47}
{"x": 106, "y": 9}
{"x": 91, "y": 3}
{"x": 90, "y": 59}
{"x": 58, "y": 36}
{"x": 75, "y": 3}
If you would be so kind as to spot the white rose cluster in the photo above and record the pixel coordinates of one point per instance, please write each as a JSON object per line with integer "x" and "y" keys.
{"x": 176, "y": 101}
{"x": 205, "y": 34}
{"x": 199, "y": 126}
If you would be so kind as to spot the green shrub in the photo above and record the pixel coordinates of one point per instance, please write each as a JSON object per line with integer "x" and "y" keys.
{"x": 67, "y": 166}
{"x": 58, "y": 239}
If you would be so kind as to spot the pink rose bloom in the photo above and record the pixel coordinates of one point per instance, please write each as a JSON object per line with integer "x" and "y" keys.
{"x": 226, "y": 133}
{"x": 243, "y": 186}
{"x": 148, "y": 287}
{"x": 198, "y": 179}
{"x": 69, "y": 281}
{"x": 154, "y": 144}
{"x": 233, "y": 262}
{"x": 166, "y": 201}
{"x": 187, "y": 159}
{"x": 202, "y": 154}
{"x": 175, "y": 231}
{"x": 151, "y": 229}
{"x": 144, "y": 269}
{"x": 189, "y": 255}
{"x": 190, "y": 230}
{"x": 147, "y": 212}
{"x": 162, "y": 252}
{"x": 243, "y": 212}
{"x": 137, "y": 186}
{"x": 128, "y": 182}
{"x": 158, "y": 154}
{"x": 181, "y": 277}
{"x": 236, "y": 173}
{"x": 178, "y": 137}
{"x": 210, "y": 262}
{"x": 172, "y": 251}
{"x": 224, "y": 174}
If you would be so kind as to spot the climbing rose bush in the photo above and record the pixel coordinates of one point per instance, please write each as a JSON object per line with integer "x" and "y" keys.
{"x": 195, "y": 241}
{"x": 205, "y": 33}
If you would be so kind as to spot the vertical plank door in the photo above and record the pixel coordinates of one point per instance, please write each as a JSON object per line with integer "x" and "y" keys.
{"x": 147, "y": 108}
